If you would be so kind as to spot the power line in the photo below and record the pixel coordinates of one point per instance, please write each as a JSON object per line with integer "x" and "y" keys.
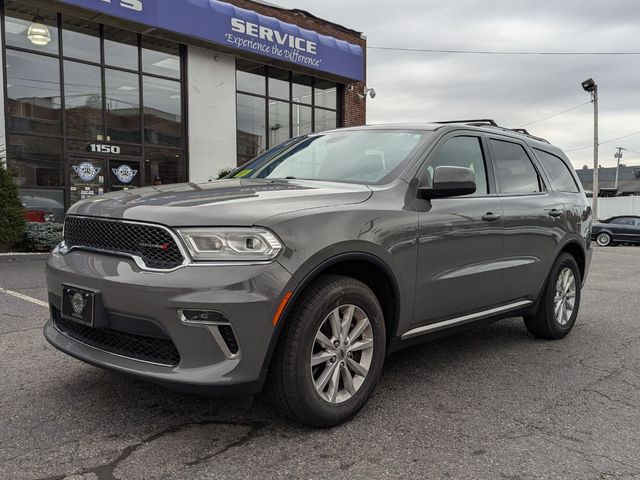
{"x": 605, "y": 142}
{"x": 556, "y": 114}
{"x": 493, "y": 52}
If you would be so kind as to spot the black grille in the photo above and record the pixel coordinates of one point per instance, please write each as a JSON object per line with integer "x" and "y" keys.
{"x": 156, "y": 350}
{"x": 229, "y": 338}
{"x": 154, "y": 245}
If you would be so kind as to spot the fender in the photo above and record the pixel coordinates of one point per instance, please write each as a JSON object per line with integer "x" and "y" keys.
{"x": 297, "y": 286}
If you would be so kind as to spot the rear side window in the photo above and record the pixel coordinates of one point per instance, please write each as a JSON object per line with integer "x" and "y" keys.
{"x": 623, "y": 221}
{"x": 558, "y": 172}
{"x": 460, "y": 152}
{"x": 515, "y": 174}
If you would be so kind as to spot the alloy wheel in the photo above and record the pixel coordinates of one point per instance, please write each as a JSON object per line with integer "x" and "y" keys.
{"x": 565, "y": 297}
{"x": 342, "y": 353}
{"x": 603, "y": 240}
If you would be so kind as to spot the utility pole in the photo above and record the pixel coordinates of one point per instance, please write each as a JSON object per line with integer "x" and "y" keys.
{"x": 590, "y": 87}
{"x": 619, "y": 157}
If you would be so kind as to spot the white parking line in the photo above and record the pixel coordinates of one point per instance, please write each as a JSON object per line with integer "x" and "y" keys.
{"x": 24, "y": 297}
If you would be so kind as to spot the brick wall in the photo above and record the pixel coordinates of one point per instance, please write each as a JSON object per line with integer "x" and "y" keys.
{"x": 355, "y": 110}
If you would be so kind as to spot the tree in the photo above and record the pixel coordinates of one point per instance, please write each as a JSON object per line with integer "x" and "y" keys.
{"x": 11, "y": 212}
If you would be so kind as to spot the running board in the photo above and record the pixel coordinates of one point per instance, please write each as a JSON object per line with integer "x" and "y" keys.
{"x": 434, "y": 327}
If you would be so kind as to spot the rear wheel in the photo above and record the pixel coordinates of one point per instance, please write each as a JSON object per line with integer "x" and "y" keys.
{"x": 560, "y": 301}
{"x": 603, "y": 239}
{"x": 330, "y": 356}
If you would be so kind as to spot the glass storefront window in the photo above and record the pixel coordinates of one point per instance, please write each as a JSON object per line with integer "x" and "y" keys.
{"x": 325, "y": 120}
{"x": 302, "y": 88}
{"x": 123, "y": 106}
{"x": 250, "y": 78}
{"x": 19, "y": 18}
{"x": 278, "y": 83}
{"x": 81, "y": 40}
{"x": 163, "y": 166}
{"x": 160, "y": 57}
{"x": 83, "y": 100}
{"x": 121, "y": 48}
{"x": 33, "y": 93}
{"x": 35, "y": 161}
{"x": 292, "y": 99}
{"x": 278, "y": 122}
{"x": 301, "y": 117}
{"x": 162, "y": 112}
{"x": 326, "y": 95}
{"x": 251, "y": 136}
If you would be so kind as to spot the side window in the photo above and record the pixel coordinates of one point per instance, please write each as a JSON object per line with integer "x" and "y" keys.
{"x": 461, "y": 152}
{"x": 558, "y": 172}
{"x": 514, "y": 171}
{"x": 623, "y": 221}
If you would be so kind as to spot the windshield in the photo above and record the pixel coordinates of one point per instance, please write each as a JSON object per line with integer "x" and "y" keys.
{"x": 362, "y": 156}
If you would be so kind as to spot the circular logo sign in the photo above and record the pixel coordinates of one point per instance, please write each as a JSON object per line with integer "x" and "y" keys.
{"x": 78, "y": 303}
{"x": 87, "y": 171}
{"x": 124, "y": 173}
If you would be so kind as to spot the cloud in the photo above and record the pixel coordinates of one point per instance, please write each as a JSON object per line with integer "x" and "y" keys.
{"x": 419, "y": 87}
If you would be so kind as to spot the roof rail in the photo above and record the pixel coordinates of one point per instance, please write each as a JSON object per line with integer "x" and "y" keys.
{"x": 492, "y": 123}
{"x": 481, "y": 121}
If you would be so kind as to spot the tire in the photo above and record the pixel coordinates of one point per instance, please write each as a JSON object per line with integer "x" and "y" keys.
{"x": 292, "y": 378}
{"x": 546, "y": 323}
{"x": 604, "y": 239}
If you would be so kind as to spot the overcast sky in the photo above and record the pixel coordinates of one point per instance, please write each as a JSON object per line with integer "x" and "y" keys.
{"x": 514, "y": 90}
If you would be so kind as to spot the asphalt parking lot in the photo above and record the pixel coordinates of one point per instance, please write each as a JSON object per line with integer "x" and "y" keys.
{"x": 490, "y": 403}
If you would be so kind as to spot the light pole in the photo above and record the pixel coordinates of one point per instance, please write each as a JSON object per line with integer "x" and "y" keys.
{"x": 591, "y": 88}
{"x": 619, "y": 157}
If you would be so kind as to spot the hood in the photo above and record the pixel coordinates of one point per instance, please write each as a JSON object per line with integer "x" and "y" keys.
{"x": 241, "y": 202}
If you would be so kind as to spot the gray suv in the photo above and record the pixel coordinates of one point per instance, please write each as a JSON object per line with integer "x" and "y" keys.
{"x": 306, "y": 268}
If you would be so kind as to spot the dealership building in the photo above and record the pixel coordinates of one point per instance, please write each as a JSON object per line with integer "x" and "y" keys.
{"x": 104, "y": 95}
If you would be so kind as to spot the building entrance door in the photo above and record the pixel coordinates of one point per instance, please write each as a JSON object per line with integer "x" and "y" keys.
{"x": 92, "y": 175}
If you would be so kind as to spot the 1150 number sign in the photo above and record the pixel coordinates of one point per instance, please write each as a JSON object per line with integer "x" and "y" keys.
{"x": 100, "y": 148}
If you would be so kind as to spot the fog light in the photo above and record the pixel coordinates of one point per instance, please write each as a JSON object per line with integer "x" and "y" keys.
{"x": 202, "y": 317}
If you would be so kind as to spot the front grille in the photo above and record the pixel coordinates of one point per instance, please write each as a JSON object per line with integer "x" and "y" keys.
{"x": 138, "y": 347}
{"x": 155, "y": 245}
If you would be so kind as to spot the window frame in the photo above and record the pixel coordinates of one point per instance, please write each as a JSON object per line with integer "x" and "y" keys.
{"x": 543, "y": 184}
{"x": 488, "y": 161}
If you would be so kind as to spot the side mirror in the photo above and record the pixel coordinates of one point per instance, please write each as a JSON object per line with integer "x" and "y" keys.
{"x": 449, "y": 182}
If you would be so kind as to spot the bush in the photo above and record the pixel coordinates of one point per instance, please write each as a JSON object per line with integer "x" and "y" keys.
{"x": 11, "y": 212}
{"x": 42, "y": 237}
{"x": 224, "y": 172}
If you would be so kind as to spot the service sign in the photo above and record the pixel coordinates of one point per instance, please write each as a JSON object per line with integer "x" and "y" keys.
{"x": 241, "y": 29}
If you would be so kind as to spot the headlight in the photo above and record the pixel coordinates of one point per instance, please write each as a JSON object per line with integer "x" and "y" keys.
{"x": 232, "y": 244}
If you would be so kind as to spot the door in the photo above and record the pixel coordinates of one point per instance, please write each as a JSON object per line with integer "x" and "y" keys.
{"x": 534, "y": 220}
{"x": 91, "y": 175}
{"x": 460, "y": 239}
{"x": 86, "y": 177}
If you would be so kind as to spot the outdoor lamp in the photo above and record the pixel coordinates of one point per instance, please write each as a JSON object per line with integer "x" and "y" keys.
{"x": 38, "y": 33}
{"x": 589, "y": 85}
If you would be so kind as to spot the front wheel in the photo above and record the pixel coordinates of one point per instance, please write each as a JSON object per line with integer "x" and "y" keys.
{"x": 330, "y": 356}
{"x": 560, "y": 301}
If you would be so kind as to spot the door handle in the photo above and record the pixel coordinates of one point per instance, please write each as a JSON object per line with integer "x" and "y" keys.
{"x": 491, "y": 217}
{"x": 555, "y": 213}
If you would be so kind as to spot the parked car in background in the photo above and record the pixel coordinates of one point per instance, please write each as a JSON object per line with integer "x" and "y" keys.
{"x": 620, "y": 229}
{"x": 42, "y": 206}
{"x": 305, "y": 272}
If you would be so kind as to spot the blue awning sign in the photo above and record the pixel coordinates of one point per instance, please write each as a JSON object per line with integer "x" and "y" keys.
{"x": 225, "y": 24}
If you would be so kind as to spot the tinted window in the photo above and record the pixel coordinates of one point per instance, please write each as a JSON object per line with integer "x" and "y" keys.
{"x": 81, "y": 39}
{"x": 278, "y": 122}
{"x": 460, "y": 152}
{"x": 33, "y": 93}
{"x": 121, "y": 48}
{"x": 160, "y": 57}
{"x": 515, "y": 172}
{"x": 35, "y": 161}
{"x": 123, "y": 106}
{"x": 162, "y": 112}
{"x": 558, "y": 172}
{"x": 623, "y": 221}
{"x": 19, "y": 20}
{"x": 325, "y": 120}
{"x": 251, "y": 127}
{"x": 83, "y": 100}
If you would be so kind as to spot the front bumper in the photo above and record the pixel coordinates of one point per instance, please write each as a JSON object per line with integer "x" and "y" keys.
{"x": 248, "y": 296}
